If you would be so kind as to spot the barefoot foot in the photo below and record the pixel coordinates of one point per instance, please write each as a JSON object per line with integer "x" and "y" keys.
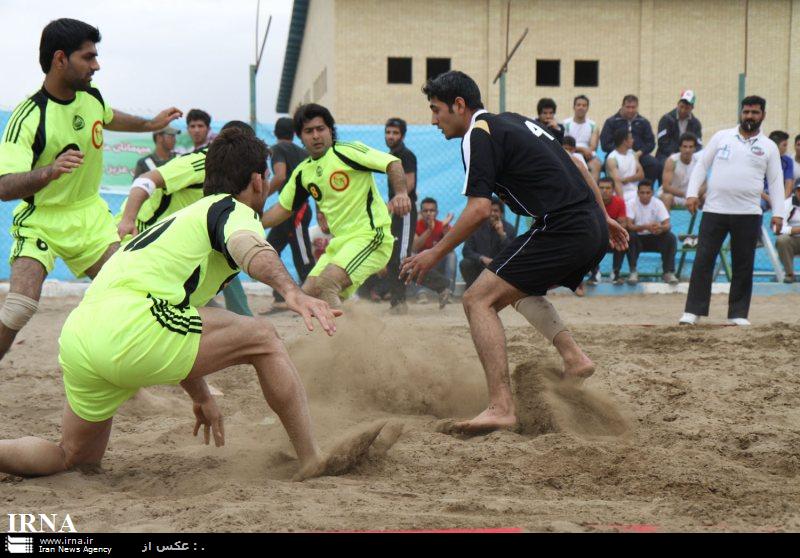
{"x": 489, "y": 420}
{"x": 578, "y": 369}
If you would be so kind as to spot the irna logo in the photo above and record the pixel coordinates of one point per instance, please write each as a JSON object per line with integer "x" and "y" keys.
{"x": 40, "y": 523}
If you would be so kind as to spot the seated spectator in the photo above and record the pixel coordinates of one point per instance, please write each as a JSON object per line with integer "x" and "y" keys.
{"x": 428, "y": 233}
{"x": 586, "y": 134}
{"x": 164, "y": 140}
{"x": 796, "y": 160}
{"x": 677, "y": 171}
{"x": 675, "y": 124}
{"x": 615, "y": 207}
{"x": 650, "y": 232}
{"x": 628, "y": 118}
{"x": 788, "y": 242}
{"x": 546, "y": 118}
{"x": 570, "y": 147}
{"x": 488, "y": 240}
{"x": 623, "y": 167}
{"x": 781, "y": 139}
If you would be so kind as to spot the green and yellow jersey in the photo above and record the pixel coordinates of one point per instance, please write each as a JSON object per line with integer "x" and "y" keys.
{"x": 183, "y": 185}
{"x": 342, "y": 184}
{"x": 42, "y": 127}
{"x": 183, "y": 260}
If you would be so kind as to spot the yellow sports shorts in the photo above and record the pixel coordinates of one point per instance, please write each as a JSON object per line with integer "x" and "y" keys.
{"x": 78, "y": 234}
{"x": 360, "y": 255}
{"x": 119, "y": 341}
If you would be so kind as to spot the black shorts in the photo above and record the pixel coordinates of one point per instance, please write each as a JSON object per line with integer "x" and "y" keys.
{"x": 559, "y": 249}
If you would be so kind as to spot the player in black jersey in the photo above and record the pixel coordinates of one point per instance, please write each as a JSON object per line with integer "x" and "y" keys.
{"x": 510, "y": 156}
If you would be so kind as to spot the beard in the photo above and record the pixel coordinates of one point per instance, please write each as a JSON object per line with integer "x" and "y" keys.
{"x": 750, "y": 125}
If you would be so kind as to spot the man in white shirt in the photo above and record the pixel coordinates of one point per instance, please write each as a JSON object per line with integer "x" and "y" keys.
{"x": 677, "y": 171}
{"x": 739, "y": 159}
{"x": 586, "y": 134}
{"x": 650, "y": 232}
{"x": 788, "y": 243}
{"x": 623, "y": 166}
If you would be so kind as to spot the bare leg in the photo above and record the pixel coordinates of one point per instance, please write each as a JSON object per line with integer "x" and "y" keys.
{"x": 483, "y": 300}
{"x": 82, "y": 443}
{"x": 668, "y": 199}
{"x": 98, "y": 265}
{"x": 229, "y": 339}
{"x": 577, "y": 366}
{"x": 329, "y": 285}
{"x": 27, "y": 276}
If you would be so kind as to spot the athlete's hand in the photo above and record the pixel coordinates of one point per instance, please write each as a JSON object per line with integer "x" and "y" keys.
{"x": 126, "y": 228}
{"x": 309, "y": 307}
{"x": 207, "y": 414}
{"x": 163, "y": 118}
{"x": 617, "y": 235}
{"x": 417, "y": 266}
{"x": 692, "y": 204}
{"x": 65, "y": 163}
{"x": 400, "y": 204}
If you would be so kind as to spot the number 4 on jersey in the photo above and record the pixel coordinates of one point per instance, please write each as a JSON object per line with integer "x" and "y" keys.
{"x": 537, "y": 131}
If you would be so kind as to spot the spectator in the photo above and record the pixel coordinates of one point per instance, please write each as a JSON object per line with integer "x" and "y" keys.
{"x": 570, "y": 147}
{"x": 164, "y": 151}
{"x": 788, "y": 243}
{"x": 198, "y": 124}
{"x": 781, "y": 139}
{"x": 586, "y": 134}
{"x": 677, "y": 171}
{"x": 488, "y": 240}
{"x": 628, "y": 118}
{"x": 615, "y": 207}
{"x": 429, "y": 232}
{"x": 738, "y": 159}
{"x": 675, "y": 124}
{"x": 546, "y": 118}
{"x": 623, "y": 166}
{"x": 796, "y": 160}
{"x": 402, "y": 225}
{"x": 286, "y": 155}
{"x": 650, "y": 232}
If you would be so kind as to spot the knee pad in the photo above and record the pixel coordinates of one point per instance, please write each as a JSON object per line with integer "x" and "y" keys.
{"x": 329, "y": 290}
{"x": 17, "y": 310}
{"x": 541, "y": 315}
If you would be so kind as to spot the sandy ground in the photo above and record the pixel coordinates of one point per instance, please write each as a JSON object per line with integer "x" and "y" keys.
{"x": 680, "y": 429}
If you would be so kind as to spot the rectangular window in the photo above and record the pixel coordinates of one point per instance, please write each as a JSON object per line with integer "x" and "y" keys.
{"x": 436, "y": 66}
{"x": 548, "y": 73}
{"x": 399, "y": 70}
{"x": 586, "y": 73}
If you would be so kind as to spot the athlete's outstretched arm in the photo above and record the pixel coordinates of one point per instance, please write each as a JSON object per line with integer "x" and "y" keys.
{"x": 477, "y": 211}
{"x": 136, "y": 198}
{"x": 124, "y": 122}
{"x": 274, "y": 216}
{"x": 618, "y": 236}
{"x": 20, "y": 185}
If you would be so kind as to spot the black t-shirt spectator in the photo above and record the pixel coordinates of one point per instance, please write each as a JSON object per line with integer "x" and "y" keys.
{"x": 409, "y": 162}
{"x": 524, "y": 165}
{"x": 288, "y": 153}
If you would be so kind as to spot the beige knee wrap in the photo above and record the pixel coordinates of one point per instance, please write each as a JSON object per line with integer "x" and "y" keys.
{"x": 541, "y": 315}
{"x": 17, "y": 310}
{"x": 329, "y": 291}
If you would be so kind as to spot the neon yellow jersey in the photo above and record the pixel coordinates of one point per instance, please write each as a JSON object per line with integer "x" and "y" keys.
{"x": 183, "y": 259}
{"x": 183, "y": 185}
{"x": 342, "y": 184}
{"x": 42, "y": 127}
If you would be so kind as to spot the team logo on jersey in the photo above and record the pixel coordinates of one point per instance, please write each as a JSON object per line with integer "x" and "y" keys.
{"x": 78, "y": 123}
{"x": 339, "y": 181}
{"x": 315, "y": 192}
{"x": 319, "y": 172}
{"x": 97, "y": 134}
{"x": 757, "y": 150}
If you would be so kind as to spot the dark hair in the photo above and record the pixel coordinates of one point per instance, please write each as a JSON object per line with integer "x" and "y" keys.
{"x": 620, "y": 136}
{"x": 606, "y": 178}
{"x": 778, "y": 136}
{"x": 796, "y": 139}
{"x": 578, "y": 98}
{"x": 64, "y": 34}
{"x": 449, "y": 85}
{"x": 244, "y": 126}
{"x": 544, "y": 103}
{"x": 310, "y": 111}
{"x": 645, "y": 182}
{"x": 755, "y": 100}
{"x": 284, "y": 128}
{"x": 197, "y": 114}
{"x": 398, "y": 123}
{"x": 688, "y": 136}
{"x": 233, "y": 157}
{"x": 630, "y": 98}
{"x": 429, "y": 200}
{"x": 570, "y": 141}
